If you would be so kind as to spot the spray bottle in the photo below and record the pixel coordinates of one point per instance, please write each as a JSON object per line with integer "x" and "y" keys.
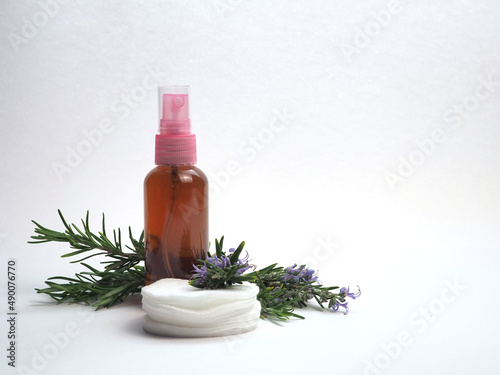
{"x": 175, "y": 194}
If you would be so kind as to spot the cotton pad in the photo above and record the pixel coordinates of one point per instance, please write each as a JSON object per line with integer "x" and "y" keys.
{"x": 174, "y": 308}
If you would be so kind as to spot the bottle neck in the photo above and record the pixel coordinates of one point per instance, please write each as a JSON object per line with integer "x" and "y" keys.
{"x": 178, "y": 167}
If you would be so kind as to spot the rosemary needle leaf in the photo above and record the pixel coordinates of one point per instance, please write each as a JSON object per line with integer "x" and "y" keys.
{"x": 73, "y": 253}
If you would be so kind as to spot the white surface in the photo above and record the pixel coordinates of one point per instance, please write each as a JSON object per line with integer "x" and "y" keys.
{"x": 332, "y": 124}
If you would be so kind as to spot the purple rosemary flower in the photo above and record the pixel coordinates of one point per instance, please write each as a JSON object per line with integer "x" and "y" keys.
{"x": 241, "y": 262}
{"x": 220, "y": 270}
{"x": 222, "y": 262}
{"x": 200, "y": 276}
{"x": 343, "y": 293}
{"x": 346, "y": 292}
{"x": 337, "y": 304}
{"x": 300, "y": 274}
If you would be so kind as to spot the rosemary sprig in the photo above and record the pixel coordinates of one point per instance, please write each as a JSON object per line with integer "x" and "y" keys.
{"x": 221, "y": 270}
{"x": 281, "y": 290}
{"x": 122, "y": 275}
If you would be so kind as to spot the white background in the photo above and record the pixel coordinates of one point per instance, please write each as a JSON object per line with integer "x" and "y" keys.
{"x": 365, "y": 86}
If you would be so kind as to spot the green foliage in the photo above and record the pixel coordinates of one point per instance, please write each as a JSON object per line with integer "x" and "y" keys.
{"x": 122, "y": 275}
{"x": 281, "y": 290}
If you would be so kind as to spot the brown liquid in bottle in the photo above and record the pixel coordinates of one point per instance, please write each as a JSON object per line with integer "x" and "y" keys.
{"x": 176, "y": 221}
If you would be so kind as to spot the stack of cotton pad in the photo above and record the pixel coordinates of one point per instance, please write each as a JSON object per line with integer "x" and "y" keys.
{"x": 174, "y": 308}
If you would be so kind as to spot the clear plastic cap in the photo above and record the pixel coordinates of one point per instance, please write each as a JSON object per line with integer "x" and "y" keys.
{"x": 174, "y": 110}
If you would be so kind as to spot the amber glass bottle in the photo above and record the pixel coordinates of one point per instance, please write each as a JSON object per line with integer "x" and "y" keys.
{"x": 175, "y": 195}
{"x": 176, "y": 220}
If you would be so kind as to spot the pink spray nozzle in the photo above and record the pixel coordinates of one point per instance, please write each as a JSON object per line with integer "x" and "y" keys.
{"x": 174, "y": 110}
{"x": 175, "y": 144}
